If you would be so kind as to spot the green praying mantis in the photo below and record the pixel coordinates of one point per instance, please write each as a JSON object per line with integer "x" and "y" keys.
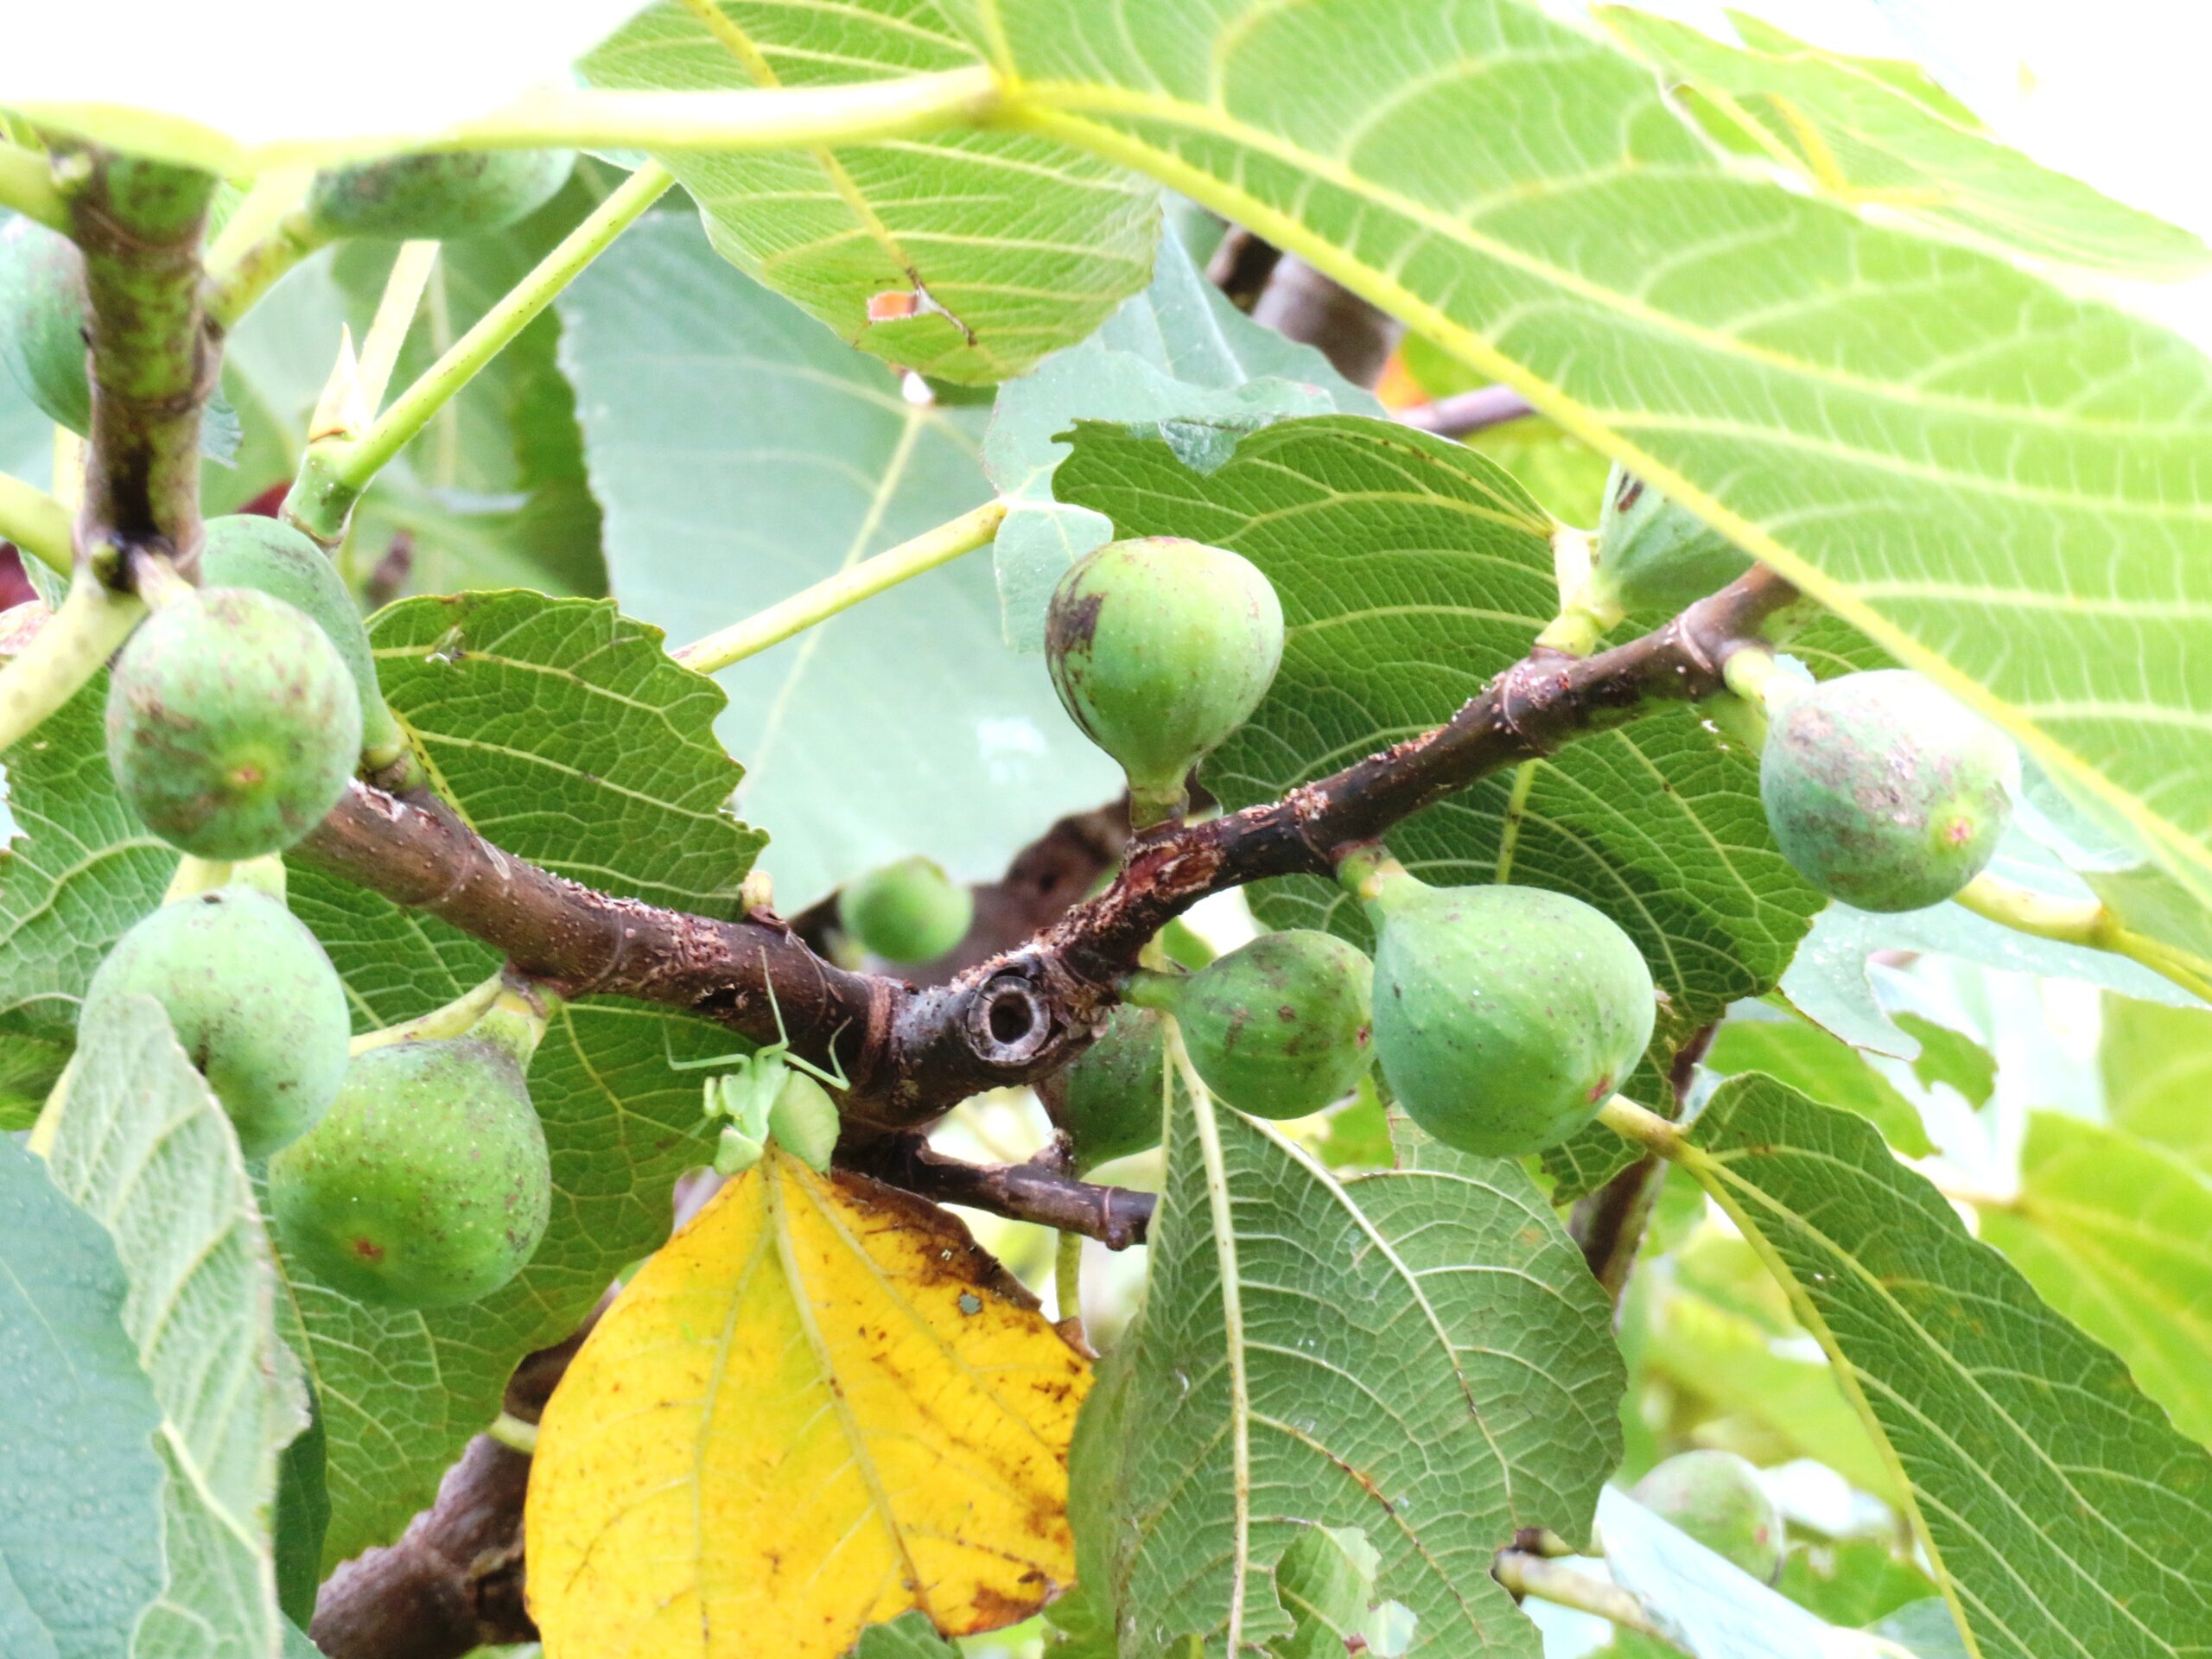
{"x": 769, "y": 1094}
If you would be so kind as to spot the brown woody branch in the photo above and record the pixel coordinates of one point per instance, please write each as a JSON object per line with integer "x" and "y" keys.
{"x": 912, "y": 1052}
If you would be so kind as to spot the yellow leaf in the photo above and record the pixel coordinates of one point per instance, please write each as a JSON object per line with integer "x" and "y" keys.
{"x": 819, "y": 1405}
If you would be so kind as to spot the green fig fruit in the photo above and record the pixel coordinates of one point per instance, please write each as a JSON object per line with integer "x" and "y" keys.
{"x": 254, "y": 1001}
{"x": 1109, "y": 1098}
{"x": 1504, "y": 1017}
{"x": 1159, "y": 649}
{"x": 1885, "y": 792}
{"x": 1717, "y": 1498}
{"x": 439, "y": 196}
{"x": 248, "y": 551}
{"x": 1652, "y": 554}
{"x": 232, "y": 724}
{"x": 43, "y": 315}
{"x": 911, "y": 910}
{"x": 1279, "y": 1027}
{"x": 426, "y": 1185}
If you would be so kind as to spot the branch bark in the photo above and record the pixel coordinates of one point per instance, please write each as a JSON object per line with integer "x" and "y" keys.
{"x": 914, "y": 1052}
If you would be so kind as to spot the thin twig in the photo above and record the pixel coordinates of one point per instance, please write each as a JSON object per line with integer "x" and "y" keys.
{"x": 1465, "y": 413}
{"x": 1532, "y": 1575}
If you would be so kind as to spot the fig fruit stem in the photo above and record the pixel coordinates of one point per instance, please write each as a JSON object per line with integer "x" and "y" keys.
{"x": 2086, "y": 922}
{"x": 266, "y": 235}
{"x": 1365, "y": 871}
{"x": 1528, "y": 1574}
{"x": 75, "y": 643}
{"x": 841, "y": 592}
{"x": 27, "y": 186}
{"x": 336, "y": 470}
{"x": 36, "y": 522}
{"x": 197, "y": 876}
{"x": 1067, "y": 1287}
{"x": 1643, "y": 1127}
{"x": 451, "y": 1021}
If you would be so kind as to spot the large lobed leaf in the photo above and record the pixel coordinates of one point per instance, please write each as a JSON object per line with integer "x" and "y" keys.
{"x": 1877, "y": 132}
{"x": 566, "y": 736}
{"x": 1420, "y": 1355}
{"x": 1013, "y": 246}
{"x": 143, "y": 1147}
{"x": 1999, "y": 483}
{"x": 2060, "y": 1508}
{"x": 74, "y": 1574}
{"x": 820, "y": 1406}
{"x": 742, "y": 454}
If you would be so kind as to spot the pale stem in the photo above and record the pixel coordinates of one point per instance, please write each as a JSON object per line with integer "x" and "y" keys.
{"x": 77, "y": 640}
{"x": 335, "y": 472}
{"x": 26, "y": 185}
{"x": 1525, "y": 1574}
{"x": 737, "y": 121}
{"x": 36, "y": 522}
{"x": 514, "y": 1434}
{"x": 70, "y": 452}
{"x": 402, "y": 298}
{"x": 268, "y": 234}
{"x": 847, "y": 588}
{"x": 2084, "y": 922}
{"x": 1641, "y": 1127}
{"x": 459, "y": 1015}
{"x": 196, "y": 876}
{"x": 1067, "y": 1285}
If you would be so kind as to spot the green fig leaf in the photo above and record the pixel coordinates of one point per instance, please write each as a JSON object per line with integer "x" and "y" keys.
{"x": 998, "y": 248}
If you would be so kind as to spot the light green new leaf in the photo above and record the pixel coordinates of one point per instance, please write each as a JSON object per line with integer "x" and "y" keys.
{"x": 741, "y": 455}
{"x": 1853, "y": 134}
{"x": 1998, "y": 482}
{"x": 568, "y": 738}
{"x": 2157, "y": 1071}
{"x": 968, "y": 255}
{"x": 1411, "y": 571}
{"x": 81, "y": 1532}
{"x": 2061, "y": 1511}
{"x": 144, "y": 1147}
{"x": 2117, "y": 1235}
{"x": 1463, "y": 1383}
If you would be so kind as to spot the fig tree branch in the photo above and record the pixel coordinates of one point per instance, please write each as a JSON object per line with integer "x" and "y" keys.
{"x": 912, "y": 1052}
{"x": 1527, "y": 1574}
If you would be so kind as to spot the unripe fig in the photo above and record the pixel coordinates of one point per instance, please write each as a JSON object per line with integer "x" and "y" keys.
{"x": 245, "y": 549}
{"x": 232, "y": 724}
{"x": 254, "y": 1001}
{"x": 1884, "y": 791}
{"x": 1717, "y": 1498}
{"x": 1161, "y": 648}
{"x": 911, "y": 910}
{"x": 43, "y": 314}
{"x": 1107, "y": 1098}
{"x": 1279, "y": 1027}
{"x": 427, "y": 1184}
{"x": 437, "y": 196}
{"x": 1652, "y": 554}
{"x": 1504, "y": 1017}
